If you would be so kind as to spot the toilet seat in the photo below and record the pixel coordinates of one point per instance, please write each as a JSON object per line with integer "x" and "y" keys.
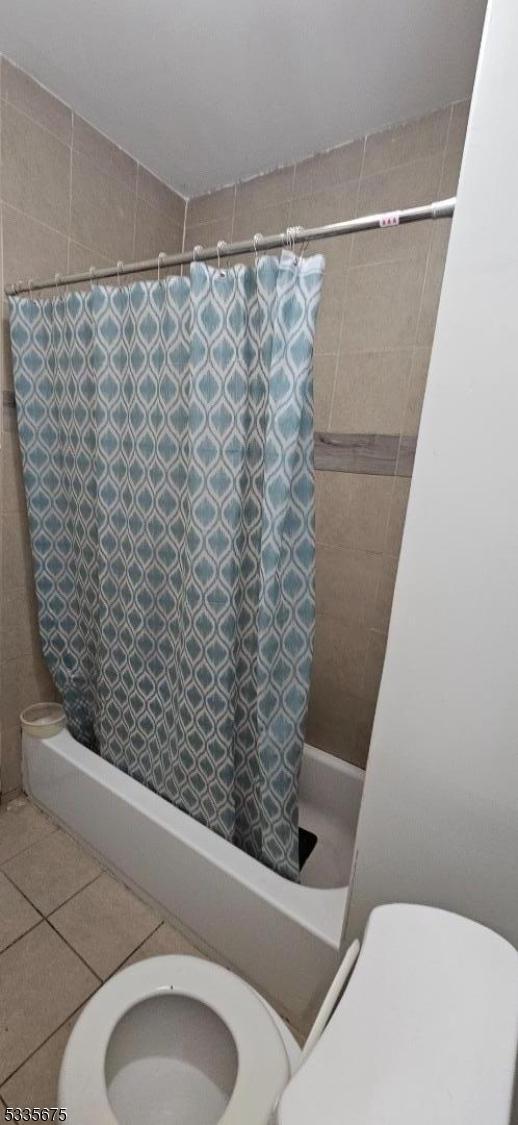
{"x": 263, "y": 1066}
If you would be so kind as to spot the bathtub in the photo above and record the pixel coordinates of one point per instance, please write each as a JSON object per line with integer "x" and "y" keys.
{"x": 285, "y": 938}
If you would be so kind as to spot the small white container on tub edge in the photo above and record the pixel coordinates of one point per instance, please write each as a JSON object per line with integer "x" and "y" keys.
{"x": 42, "y": 720}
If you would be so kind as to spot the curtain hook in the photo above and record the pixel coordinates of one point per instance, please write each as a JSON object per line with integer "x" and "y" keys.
{"x": 57, "y": 279}
{"x": 30, "y": 284}
{"x": 256, "y": 239}
{"x": 160, "y": 259}
{"x": 298, "y": 232}
{"x": 292, "y": 235}
{"x": 222, "y": 245}
{"x": 195, "y": 251}
{"x": 120, "y": 266}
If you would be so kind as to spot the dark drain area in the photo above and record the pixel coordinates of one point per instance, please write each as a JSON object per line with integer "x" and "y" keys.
{"x": 307, "y": 844}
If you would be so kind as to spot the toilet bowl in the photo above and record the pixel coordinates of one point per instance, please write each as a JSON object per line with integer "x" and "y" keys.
{"x": 178, "y": 1032}
{"x": 426, "y": 1031}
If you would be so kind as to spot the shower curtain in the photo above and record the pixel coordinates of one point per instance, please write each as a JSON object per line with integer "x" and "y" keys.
{"x": 167, "y": 439}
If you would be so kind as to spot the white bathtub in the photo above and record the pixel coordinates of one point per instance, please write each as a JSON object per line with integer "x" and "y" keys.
{"x": 284, "y": 937}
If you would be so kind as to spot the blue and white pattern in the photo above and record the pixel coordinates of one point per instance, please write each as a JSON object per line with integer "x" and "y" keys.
{"x": 167, "y": 439}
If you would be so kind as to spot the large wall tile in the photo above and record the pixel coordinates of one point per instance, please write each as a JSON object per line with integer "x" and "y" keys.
{"x": 374, "y": 664}
{"x": 109, "y": 157}
{"x": 416, "y": 389}
{"x": 81, "y": 258}
{"x": 215, "y": 205}
{"x": 30, "y": 249}
{"x": 332, "y": 720}
{"x": 327, "y": 169}
{"x": 103, "y": 210}
{"x": 256, "y": 218}
{"x": 209, "y": 233}
{"x": 454, "y": 148}
{"x": 24, "y": 681}
{"x": 433, "y": 283}
{"x": 397, "y": 515}
{"x": 385, "y": 593}
{"x": 347, "y": 583}
{"x": 324, "y": 368}
{"x": 408, "y": 185}
{"x": 35, "y": 169}
{"x": 406, "y": 142}
{"x": 19, "y": 623}
{"x": 155, "y": 232}
{"x": 160, "y": 195}
{"x": 334, "y": 205}
{"x": 264, "y": 191}
{"x": 330, "y": 313}
{"x": 16, "y": 552}
{"x": 365, "y": 720}
{"x": 371, "y": 392}
{"x": 340, "y": 654}
{"x": 11, "y": 759}
{"x": 353, "y": 511}
{"x": 382, "y": 305}
{"x": 22, "y": 91}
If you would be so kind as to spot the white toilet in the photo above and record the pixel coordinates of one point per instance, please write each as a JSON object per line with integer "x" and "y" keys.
{"x": 425, "y": 1032}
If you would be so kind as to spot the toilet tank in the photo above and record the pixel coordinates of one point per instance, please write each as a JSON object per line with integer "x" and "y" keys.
{"x": 426, "y": 1032}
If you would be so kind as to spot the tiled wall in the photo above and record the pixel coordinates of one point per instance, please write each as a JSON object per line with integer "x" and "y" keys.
{"x": 373, "y": 345}
{"x": 69, "y": 199}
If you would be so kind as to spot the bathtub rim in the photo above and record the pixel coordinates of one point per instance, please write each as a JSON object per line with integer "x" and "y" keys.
{"x": 320, "y": 910}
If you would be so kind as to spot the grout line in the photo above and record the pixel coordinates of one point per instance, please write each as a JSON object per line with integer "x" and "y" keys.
{"x": 71, "y": 173}
{"x": 234, "y": 207}
{"x": 46, "y": 917}
{"x": 132, "y": 954}
{"x": 44, "y": 1042}
{"x": 28, "y": 215}
{"x": 75, "y": 893}
{"x": 423, "y": 290}
{"x": 37, "y": 840}
{"x": 418, "y": 319}
{"x": 29, "y": 116}
{"x": 185, "y": 210}
{"x": 71, "y": 947}
{"x": 345, "y": 292}
{"x": 135, "y": 207}
{"x": 24, "y": 933}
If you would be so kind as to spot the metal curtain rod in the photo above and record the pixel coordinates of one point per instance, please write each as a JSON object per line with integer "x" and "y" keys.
{"x": 443, "y": 209}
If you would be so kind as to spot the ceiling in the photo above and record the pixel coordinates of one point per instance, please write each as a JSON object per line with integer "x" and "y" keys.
{"x": 206, "y": 92}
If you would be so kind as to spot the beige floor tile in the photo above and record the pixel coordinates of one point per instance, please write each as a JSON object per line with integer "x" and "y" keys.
{"x": 16, "y": 914}
{"x": 21, "y": 824}
{"x": 41, "y": 983}
{"x": 105, "y": 923}
{"x": 51, "y": 871}
{"x": 164, "y": 940}
{"x": 36, "y": 1082}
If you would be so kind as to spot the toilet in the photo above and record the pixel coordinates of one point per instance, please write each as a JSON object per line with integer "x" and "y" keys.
{"x": 426, "y": 1030}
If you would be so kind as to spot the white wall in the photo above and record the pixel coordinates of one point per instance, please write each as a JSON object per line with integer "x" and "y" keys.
{"x": 439, "y": 821}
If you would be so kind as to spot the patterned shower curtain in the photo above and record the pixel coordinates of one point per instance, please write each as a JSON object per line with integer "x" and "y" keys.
{"x": 167, "y": 439}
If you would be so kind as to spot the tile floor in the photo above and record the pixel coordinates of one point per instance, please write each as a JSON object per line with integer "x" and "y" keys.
{"x": 65, "y": 926}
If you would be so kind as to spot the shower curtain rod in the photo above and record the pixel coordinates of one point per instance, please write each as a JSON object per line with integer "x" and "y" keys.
{"x": 442, "y": 209}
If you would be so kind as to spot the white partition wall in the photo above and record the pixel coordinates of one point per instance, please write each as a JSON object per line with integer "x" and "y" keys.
{"x": 439, "y": 820}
